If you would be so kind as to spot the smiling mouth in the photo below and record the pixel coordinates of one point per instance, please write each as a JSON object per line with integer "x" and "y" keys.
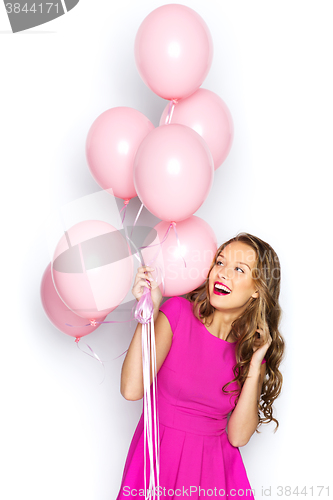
{"x": 220, "y": 289}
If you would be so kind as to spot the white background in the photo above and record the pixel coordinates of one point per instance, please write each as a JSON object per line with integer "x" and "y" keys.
{"x": 63, "y": 434}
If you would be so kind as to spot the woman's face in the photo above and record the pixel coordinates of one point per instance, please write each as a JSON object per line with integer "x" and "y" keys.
{"x": 231, "y": 286}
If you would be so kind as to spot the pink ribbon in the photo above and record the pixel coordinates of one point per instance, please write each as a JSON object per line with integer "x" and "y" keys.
{"x": 144, "y": 313}
{"x": 93, "y": 322}
{"x": 95, "y": 356}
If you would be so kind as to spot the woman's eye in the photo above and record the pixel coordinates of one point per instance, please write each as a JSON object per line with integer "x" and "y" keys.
{"x": 219, "y": 262}
{"x": 239, "y": 269}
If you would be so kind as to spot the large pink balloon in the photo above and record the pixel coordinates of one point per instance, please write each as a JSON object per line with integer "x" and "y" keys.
{"x": 206, "y": 113}
{"x": 58, "y": 313}
{"x": 173, "y": 51}
{"x": 173, "y": 172}
{"x": 92, "y": 268}
{"x": 111, "y": 145}
{"x": 198, "y": 248}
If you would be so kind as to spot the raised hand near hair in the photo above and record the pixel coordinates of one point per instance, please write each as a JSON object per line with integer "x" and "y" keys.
{"x": 261, "y": 344}
{"x": 144, "y": 279}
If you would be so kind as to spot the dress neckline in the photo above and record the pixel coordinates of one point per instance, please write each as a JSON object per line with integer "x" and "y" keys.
{"x": 218, "y": 338}
{"x": 208, "y": 332}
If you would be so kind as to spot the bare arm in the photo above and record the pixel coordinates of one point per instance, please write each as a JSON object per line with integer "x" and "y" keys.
{"x": 244, "y": 419}
{"x": 131, "y": 385}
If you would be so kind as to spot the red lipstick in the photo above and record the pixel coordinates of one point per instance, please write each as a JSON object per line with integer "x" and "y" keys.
{"x": 221, "y": 288}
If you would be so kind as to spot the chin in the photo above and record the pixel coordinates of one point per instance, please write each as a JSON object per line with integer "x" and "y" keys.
{"x": 216, "y": 301}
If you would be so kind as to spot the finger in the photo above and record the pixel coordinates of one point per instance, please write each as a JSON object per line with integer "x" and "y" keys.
{"x": 142, "y": 276}
{"x": 145, "y": 273}
{"x": 263, "y": 331}
{"x": 144, "y": 269}
{"x": 263, "y": 339}
{"x": 154, "y": 284}
{"x": 143, "y": 282}
{"x": 138, "y": 289}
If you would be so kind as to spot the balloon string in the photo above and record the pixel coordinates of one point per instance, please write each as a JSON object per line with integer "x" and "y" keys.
{"x": 136, "y": 218}
{"x": 170, "y": 111}
{"x": 155, "y": 406}
{"x": 167, "y": 120}
{"x": 119, "y": 355}
{"x": 93, "y": 355}
{"x": 93, "y": 322}
{"x": 172, "y": 224}
{"x": 145, "y": 408}
{"x": 178, "y": 243}
{"x": 126, "y": 202}
{"x": 158, "y": 244}
{"x": 138, "y": 251}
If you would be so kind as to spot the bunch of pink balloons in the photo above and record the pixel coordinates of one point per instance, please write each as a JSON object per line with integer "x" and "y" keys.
{"x": 170, "y": 168}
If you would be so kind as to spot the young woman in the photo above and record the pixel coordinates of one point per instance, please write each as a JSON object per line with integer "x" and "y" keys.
{"x": 218, "y": 353}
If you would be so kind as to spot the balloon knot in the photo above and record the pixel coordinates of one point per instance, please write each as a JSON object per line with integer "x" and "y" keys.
{"x": 126, "y": 202}
{"x": 173, "y": 223}
{"x": 93, "y": 322}
{"x": 77, "y": 339}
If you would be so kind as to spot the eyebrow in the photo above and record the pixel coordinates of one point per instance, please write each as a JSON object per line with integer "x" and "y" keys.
{"x": 238, "y": 262}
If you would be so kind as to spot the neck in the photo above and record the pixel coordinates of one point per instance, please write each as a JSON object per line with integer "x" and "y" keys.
{"x": 221, "y": 323}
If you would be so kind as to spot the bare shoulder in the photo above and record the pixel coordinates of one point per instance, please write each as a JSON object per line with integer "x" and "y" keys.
{"x": 163, "y": 338}
{"x": 162, "y": 325}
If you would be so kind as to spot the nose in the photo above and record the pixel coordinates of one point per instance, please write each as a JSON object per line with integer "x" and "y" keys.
{"x": 224, "y": 273}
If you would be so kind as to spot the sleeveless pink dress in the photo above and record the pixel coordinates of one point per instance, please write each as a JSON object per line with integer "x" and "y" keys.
{"x": 196, "y": 458}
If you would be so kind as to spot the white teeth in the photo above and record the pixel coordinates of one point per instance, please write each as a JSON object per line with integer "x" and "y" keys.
{"x": 222, "y": 288}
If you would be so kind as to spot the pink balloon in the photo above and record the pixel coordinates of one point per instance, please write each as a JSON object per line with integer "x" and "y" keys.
{"x": 198, "y": 248}
{"x": 173, "y": 172}
{"x": 111, "y": 145}
{"x": 92, "y": 269}
{"x": 207, "y": 114}
{"x": 58, "y": 313}
{"x": 173, "y": 51}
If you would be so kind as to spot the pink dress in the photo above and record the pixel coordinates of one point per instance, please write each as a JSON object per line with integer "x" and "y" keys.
{"x": 196, "y": 458}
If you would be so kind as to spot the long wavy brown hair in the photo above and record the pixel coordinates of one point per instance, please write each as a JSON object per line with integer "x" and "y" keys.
{"x": 265, "y": 308}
